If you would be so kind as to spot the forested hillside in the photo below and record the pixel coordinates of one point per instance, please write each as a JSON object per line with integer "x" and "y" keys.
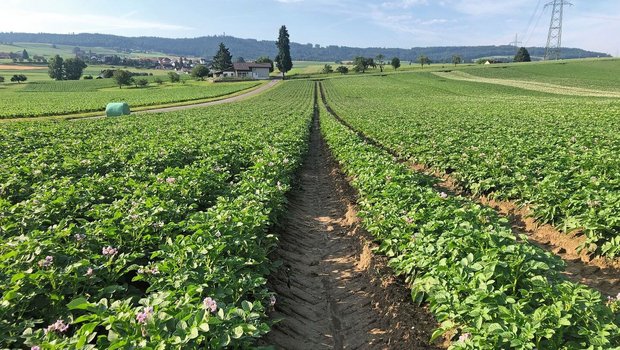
{"x": 251, "y": 48}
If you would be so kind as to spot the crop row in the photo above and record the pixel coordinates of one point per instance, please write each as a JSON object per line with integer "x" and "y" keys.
{"x": 487, "y": 290}
{"x": 70, "y": 85}
{"x": 17, "y": 104}
{"x": 555, "y": 154}
{"x": 147, "y": 232}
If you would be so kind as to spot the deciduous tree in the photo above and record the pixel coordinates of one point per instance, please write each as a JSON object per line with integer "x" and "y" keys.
{"x": 342, "y": 70}
{"x": 200, "y": 71}
{"x": 362, "y": 63}
{"x": 142, "y": 82}
{"x": 25, "y": 54}
{"x": 122, "y": 77}
{"x": 380, "y": 61}
{"x": 174, "y": 77}
{"x": 424, "y": 60}
{"x": 395, "y": 63}
{"x": 456, "y": 59}
{"x": 327, "y": 69}
{"x": 56, "y": 68}
{"x": 73, "y": 68}
{"x": 19, "y": 78}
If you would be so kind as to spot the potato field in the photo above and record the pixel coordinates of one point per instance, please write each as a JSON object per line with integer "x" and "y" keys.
{"x": 71, "y": 97}
{"x": 350, "y": 211}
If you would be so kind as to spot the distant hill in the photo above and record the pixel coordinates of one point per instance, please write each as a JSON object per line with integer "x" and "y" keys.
{"x": 206, "y": 46}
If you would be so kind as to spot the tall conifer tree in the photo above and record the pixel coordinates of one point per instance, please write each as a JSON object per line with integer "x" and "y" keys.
{"x": 283, "y": 60}
{"x": 223, "y": 59}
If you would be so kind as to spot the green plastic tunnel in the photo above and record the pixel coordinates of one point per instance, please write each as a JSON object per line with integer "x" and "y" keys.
{"x": 117, "y": 109}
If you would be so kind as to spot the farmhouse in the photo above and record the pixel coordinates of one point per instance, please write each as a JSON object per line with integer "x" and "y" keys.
{"x": 252, "y": 70}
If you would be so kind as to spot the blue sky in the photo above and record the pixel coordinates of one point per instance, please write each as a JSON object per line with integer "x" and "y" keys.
{"x": 589, "y": 24}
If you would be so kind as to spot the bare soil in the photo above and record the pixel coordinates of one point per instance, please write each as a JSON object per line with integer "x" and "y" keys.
{"x": 596, "y": 272}
{"x": 332, "y": 291}
{"x": 19, "y": 67}
{"x": 581, "y": 266}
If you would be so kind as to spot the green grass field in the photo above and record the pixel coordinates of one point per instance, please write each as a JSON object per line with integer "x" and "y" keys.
{"x": 599, "y": 74}
{"x": 42, "y": 75}
{"x": 48, "y": 50}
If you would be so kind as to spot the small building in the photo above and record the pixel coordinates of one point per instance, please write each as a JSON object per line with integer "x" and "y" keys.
{"x": 252, "y": 70}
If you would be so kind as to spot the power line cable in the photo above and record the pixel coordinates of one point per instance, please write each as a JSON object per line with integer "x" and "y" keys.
{"x": 529, "y": 37}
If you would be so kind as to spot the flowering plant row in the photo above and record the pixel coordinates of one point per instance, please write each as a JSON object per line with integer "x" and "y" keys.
{"x": 557, "y": 154}
{"x": 487, "y": 290}
{"x": 147, "y": 232}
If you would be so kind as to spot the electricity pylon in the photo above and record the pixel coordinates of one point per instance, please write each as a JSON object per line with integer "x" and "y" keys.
{"x": 554, "y": 39}
{"x": 516, "y": 43}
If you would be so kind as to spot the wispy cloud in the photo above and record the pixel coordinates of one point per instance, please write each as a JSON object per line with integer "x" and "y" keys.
{"x": 62, "y": 22}
{"x": 403, "y": 4}
{"x": 383, "y": 23}
{"x": 487, "y": 7}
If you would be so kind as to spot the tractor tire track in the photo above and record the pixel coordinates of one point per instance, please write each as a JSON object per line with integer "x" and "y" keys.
{"x": 332, "y": 293}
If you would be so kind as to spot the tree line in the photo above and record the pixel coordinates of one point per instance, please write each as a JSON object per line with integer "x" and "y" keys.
{"x": 65, "y": 69}
{"x": 250, "y": 48}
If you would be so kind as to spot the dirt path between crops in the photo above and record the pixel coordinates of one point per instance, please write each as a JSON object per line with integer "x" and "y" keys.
{"x": 236, "y": 98}
{"x": 332, "y": 292}
{"x": 596, "y": 272}
{"x": 529, "y": 85}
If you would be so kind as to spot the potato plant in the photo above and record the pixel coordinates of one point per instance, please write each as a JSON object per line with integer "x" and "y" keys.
{"x": 148, "y": 232}
{"x": 60, "y": 98}
{"x": 486, "y": 290}
{"x": 556, "y": 154}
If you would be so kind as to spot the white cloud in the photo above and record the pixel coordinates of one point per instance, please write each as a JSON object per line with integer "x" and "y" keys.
{"x": 488, "y": 7}
{"x": 403, "y": 4}
{"x": 407, "y": 25}
{"x": 63, "y": 23}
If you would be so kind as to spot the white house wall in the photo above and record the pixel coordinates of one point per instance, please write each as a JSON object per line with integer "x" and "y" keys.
{"x": 260, "y": 73}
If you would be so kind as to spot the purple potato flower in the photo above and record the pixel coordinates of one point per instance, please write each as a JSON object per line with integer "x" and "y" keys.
{"x": 143, "y": 316}
{"x": 47, "y": 262}
{"x": 210, "y": 304}
{"x": 464, "y": 337}
{"x": 109, "y": 251}
{"x": 59, "y": 326}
